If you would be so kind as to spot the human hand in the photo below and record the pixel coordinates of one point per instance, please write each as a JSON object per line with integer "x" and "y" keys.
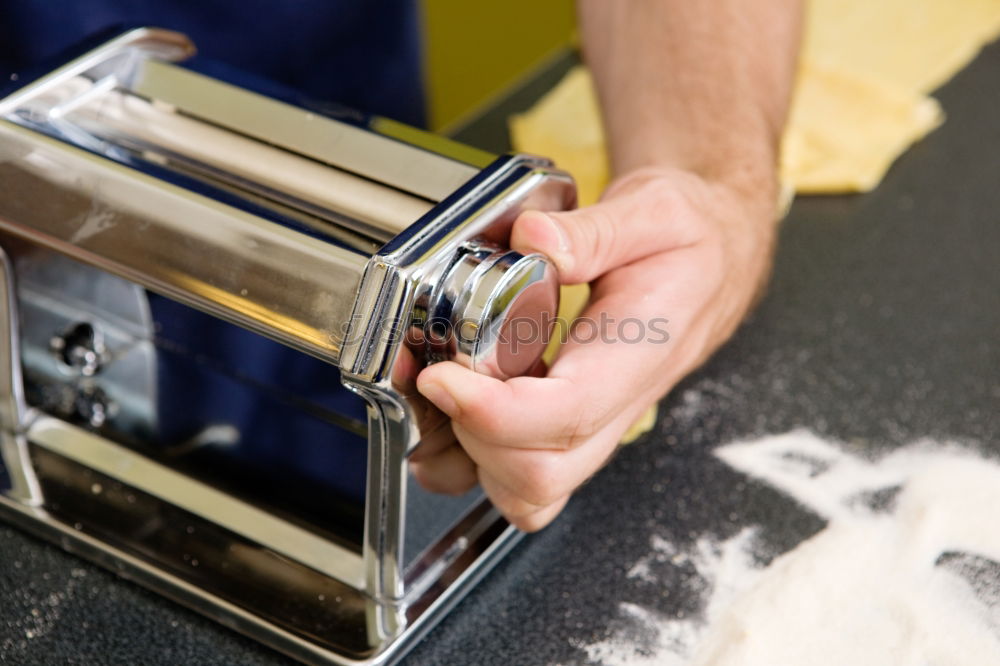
{"x": 664, "y": 249}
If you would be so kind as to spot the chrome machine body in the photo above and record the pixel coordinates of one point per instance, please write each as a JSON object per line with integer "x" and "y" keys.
{"x": 213, "y": 306}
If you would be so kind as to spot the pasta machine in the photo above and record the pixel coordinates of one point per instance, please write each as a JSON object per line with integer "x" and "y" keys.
{"x": 215, "y": 299}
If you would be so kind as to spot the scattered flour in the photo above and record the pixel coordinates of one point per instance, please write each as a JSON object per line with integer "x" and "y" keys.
{"x": 43, "y": 615}
{"x": 890, "y": 579}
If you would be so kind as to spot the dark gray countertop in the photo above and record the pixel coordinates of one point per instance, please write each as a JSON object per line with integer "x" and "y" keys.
{"x": 882, "y": 325}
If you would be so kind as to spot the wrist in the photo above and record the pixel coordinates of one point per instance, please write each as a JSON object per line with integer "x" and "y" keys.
{"x": 749, "y": 192}
{"x": 742, "y": 157}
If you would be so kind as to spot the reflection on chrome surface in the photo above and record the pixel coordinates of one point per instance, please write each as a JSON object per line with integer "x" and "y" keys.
{"x": 215, "y": 307}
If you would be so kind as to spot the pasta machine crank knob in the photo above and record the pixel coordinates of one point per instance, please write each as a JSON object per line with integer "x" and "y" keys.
{"x": 495, "y": 310}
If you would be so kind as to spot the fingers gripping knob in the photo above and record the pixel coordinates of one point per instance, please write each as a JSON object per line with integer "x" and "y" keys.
{"x": 495, "y": 311}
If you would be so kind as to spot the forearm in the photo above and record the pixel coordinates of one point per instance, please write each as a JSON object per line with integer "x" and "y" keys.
{"x": 702, "y": 85}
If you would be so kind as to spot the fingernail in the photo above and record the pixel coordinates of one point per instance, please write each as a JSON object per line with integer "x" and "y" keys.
{"x": 440, "y": 397}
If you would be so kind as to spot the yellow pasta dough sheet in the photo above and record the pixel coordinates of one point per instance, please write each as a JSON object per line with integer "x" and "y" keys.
{"x": 911, "y": 45}
{"x": 565, "y": 126}
{"x": 845, "y": 131}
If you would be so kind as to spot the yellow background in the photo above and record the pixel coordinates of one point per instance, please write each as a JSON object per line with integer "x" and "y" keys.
{"x": 474, "y": 51}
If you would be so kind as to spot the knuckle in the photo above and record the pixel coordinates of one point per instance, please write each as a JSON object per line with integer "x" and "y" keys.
{"x": 461, "y": 486}
{"x": 480, "y": 418}
{"x": 484, "y": 417}
{"x": 607, "y": 234}
{"x": 531, "y": 523}
{"x": 673, "y": 205}
{"x": 665, "y": 201}
{"x": 601, "y": 235}
{"x": 427, "y": 480}
{"x": 512, "y": 508}
{"x": 434, "y": 478}
{"x": 542, "y": 482}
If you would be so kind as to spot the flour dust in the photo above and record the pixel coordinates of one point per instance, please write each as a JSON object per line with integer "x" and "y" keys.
{"x": 906, "y": 571}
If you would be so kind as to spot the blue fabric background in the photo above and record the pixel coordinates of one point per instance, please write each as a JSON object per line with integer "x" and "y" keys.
{"x": 361, "y": 53}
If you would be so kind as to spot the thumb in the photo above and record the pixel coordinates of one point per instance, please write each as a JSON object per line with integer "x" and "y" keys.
{"x": 588, "y": 242}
